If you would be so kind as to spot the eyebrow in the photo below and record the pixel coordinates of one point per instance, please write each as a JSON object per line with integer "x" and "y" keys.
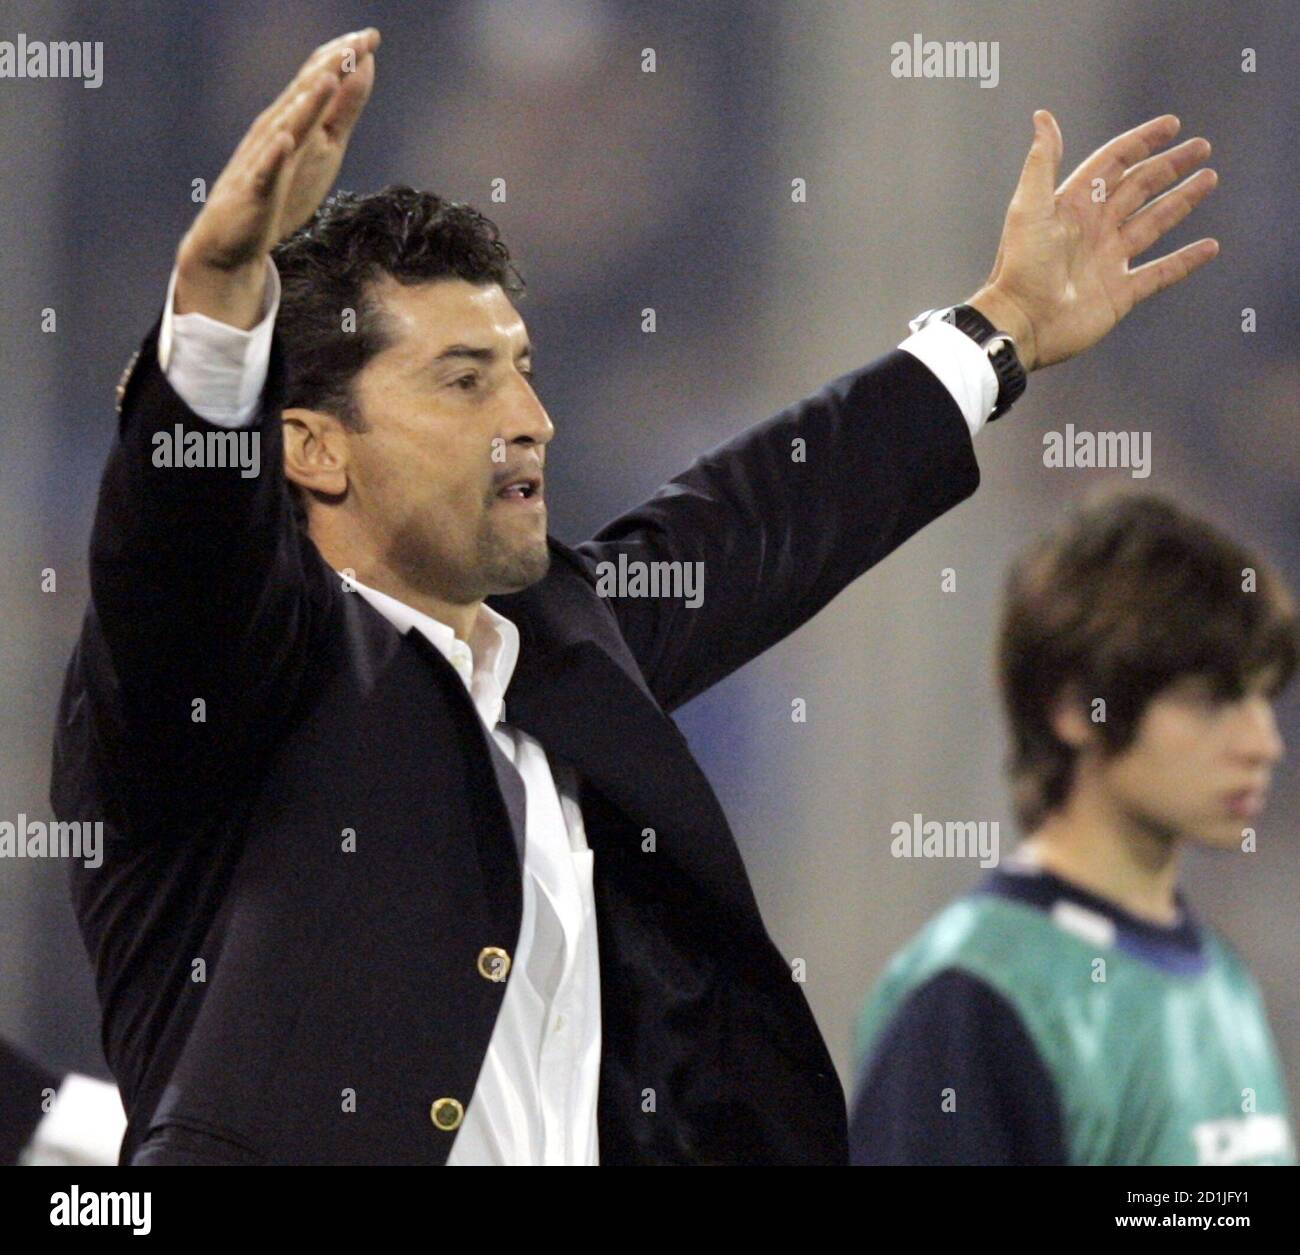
{"x": 474, "y": 354}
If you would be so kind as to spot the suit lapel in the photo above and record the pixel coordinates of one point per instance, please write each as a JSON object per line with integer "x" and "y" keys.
{"x": 508, "y": 778}
{"x": 582, "y": 706}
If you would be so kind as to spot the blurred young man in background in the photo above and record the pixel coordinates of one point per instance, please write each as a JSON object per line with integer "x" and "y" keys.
{"x": 1072, "y": 1010}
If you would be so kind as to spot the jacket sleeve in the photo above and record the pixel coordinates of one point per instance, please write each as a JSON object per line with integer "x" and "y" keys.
{"x": 954, "y": 1078}
{"x": 206, "y": 604}
{"x": 781, "y": 518}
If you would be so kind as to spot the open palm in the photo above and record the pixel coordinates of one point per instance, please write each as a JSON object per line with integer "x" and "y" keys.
{"x": 1064, "y": 258}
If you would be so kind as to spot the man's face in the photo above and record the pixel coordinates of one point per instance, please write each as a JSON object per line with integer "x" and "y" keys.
{"x": 1199, "y": 766}
{"x": 448, "y": 478}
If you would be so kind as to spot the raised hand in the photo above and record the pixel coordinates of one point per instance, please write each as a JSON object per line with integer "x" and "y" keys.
{"x": 1062, "y": 277}
{"x": 281, "y": 171}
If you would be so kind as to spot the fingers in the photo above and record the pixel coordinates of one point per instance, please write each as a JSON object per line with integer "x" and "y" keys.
{"x": 264, "y": 169}
{"x": 330, "y": 57}
{"x": 1155, "y": 276}
{"x": 344, "y": 110}
{"x": 1111, "y": 160}
{"x": 1038, "y": 178}
{"x": 306, "y": 109}
{"x": 1144, "y": 228}
{"x": 299, "y": 115}
{"x": 262, "y": 193}
{"x": 1151, "y": 177}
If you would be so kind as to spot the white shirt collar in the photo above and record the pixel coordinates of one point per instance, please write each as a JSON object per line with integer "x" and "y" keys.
{"x": 485, "y": 665}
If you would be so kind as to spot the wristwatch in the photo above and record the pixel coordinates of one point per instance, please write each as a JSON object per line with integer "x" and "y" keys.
{"x": 1000, "y": 348}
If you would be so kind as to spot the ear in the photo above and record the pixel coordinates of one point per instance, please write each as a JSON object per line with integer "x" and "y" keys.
{"x": 315, "y": 451}
{"x": 1069, "y": 719}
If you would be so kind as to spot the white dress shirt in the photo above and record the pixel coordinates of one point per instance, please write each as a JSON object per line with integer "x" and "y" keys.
{"x": 535, "y": 1101}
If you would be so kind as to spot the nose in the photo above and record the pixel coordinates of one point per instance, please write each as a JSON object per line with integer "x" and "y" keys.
{"x": 528, "y": 422}
{"x": 1259, "y": 739}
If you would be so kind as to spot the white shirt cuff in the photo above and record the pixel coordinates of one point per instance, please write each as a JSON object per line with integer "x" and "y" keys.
{"x": 85, "y": 1125}
{"x": 218, "y": 370}
{"x": 961, "y": 366}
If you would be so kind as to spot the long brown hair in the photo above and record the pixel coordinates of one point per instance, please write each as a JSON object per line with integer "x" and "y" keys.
{"x": 1130, "y": 594}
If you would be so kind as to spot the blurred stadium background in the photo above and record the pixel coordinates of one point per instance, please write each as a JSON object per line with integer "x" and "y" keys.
{"x": 671, "y": 190}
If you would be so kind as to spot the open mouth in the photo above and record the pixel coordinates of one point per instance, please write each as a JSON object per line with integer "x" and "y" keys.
{"x": 522, "y": 488}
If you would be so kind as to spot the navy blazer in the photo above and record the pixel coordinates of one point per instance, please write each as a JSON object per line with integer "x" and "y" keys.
{"x": 270, "y": 995}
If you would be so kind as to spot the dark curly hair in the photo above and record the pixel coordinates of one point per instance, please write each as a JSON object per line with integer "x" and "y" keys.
{"x": 1126, "y": 597}
{"x": 326, "y": 268}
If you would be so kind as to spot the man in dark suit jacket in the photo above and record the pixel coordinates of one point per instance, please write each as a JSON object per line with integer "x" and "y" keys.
{"x": 308, "y": 922}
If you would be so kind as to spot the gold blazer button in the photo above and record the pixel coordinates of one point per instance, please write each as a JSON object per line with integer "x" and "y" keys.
{"x": 447, "y": 1114}
{"x": 493, "y": 963}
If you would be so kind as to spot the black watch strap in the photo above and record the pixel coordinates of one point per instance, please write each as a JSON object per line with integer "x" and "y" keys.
{"x": 1001, "y": 351}
{"x": 1002, "y": 355}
